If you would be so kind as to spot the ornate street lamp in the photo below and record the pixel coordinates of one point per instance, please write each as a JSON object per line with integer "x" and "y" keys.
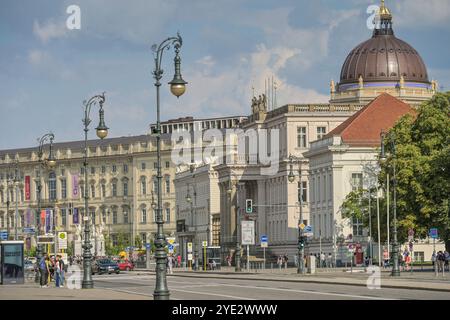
{"x": 301, "y": 238}
{"x": 102, "y": 132}
{"x": 177, "y": 87}
{"x": 394, "y": 254}
{"x": 50, "y": 163}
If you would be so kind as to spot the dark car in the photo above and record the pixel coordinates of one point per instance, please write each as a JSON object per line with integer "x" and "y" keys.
{"x": 105, "y": 266}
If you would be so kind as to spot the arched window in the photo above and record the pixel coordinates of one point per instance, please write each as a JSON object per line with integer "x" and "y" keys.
{"x": 144, "y": 215}
{"x": 114, "y": 213}
{"x": 167, "y": 184}
{"x": 125, "y": 215}
{"x": 52, "y": 186}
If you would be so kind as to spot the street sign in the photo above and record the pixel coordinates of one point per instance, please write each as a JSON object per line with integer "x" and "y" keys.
{"x": 433, "y": 233}
{"x": 248, "y": 232}
{"x": 170, "y": 248}
{"x": 189, "y": 247}
{"x": 148, "y": 245}
{"x": 264, "y": 241}
{"x": 46, "y": 239}
{"x": 170, "y": 240}
{"x": 411, "y": 246}
{"x": 307, "y": 231}
{"x": 351, "y": 247}
{"x": 28, "y": 230}
{"x": 62, "y": 240}
{"x": 4, "y": 235}
{"x": 410, "y": 235}
{"x": 190, "y": 256}
{"x": 302, "y": 226}
{"x": 205, "y": 243}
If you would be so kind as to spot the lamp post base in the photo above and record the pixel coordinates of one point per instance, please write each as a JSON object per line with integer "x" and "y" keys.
{"x": 395, "y": 265}
{"x": 89, "y": 284}
{"x": 238, "y": 259}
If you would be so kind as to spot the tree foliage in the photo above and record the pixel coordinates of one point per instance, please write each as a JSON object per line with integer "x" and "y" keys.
{"x": 421, "y": 157}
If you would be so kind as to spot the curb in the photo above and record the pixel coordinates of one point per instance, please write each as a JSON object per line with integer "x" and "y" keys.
{"x": 390, "y": 286}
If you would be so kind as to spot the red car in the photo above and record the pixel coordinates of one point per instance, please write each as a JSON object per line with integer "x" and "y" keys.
{"x": 125, "y": 265}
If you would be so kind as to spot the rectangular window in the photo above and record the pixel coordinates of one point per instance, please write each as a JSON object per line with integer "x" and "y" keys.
{"x": 92, "y": 170}
{"x": 104, "y": 216}
{"x": 321, "y": 132}
{"x": 114, "y": 168}
{"x": 216, "y": 231}
{"x": 357, "y": 181}
{"x": 114, "y": 189}
{"x": 154, "y": 215}
{"x": 357, "y": 227}
{"x": 52, "y": 187}
{"x": 93, "y": 191}
{"x": 167, "y": 184}
{"x": 125, "y": 216}
{"x": 103, "y": 169}
{"x": 144, "y": 215}
{"x": 302, "y": 190}
{"x": 82, "y": 170}
{"x": 63, "y": 172}
{"x": 114, "y": 241}
{"x": 125, "y": 168}
{"x": 167, "y": 215}
{"x": 167, "y": 164}
{"x": 114, "y": 216}
{"x": 143, "y": 187}
{"x": 125, "y": 189}
{"x": 82, "y": 191}
{"x": 155, "y": 184}
{"x": 144, "y": 238}
{"x": 143, "y": 165}
{"x": 64, "y": 217}
{"x": 155, "y": 165}
{"x": 103, "y": 190}
{"x": 301, "y": 137}
{"x": 63, "y": 189}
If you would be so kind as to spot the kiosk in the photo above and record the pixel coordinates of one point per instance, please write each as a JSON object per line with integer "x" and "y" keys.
{"x": 11, "y": 262}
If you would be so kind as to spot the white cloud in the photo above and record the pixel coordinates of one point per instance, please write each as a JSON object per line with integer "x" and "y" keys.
{"x": 49, "y": 30}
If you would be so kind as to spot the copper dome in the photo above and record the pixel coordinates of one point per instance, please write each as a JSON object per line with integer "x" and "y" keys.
{"x": 384, "y": 58}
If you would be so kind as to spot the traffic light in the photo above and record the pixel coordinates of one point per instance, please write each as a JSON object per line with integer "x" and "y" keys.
{"x": 301, "y": 242}
{"x": 249, "y": 206}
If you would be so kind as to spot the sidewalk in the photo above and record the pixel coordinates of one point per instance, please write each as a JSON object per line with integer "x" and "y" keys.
{"x": 31, "y": 291}
{"x": 339, "y": 276}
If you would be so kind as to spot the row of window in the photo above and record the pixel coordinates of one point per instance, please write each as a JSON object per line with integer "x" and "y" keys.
{"x": 10, "y": 220}
{"x": 302, "y": 141}
{"x": 114, "y": 168}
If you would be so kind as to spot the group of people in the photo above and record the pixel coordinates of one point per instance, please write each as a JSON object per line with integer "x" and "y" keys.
{"x": 282, "y": 260}
{"x": 51, "y": 268}
{"x": 173, "y": 262}
{"x": 440, "y": 261}
{"x": 323, "y": 260}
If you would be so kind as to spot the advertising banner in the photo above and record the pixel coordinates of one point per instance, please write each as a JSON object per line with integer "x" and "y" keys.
{"x": 76, "y": 217}
{"x": 248, "y": 232}
{"x": 27, "y": 188}
{"x": 75, "y": 187}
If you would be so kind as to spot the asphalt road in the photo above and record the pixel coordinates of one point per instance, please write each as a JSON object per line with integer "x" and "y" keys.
{"x": 182, "y": 288}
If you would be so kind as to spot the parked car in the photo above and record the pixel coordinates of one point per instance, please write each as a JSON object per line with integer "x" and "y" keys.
{"x": 105, "y": 266}
{"x": 125, "y": 265}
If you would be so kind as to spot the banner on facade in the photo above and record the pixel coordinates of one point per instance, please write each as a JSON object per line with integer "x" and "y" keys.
{"x": 76, "y": 218}
{"x": 48, "y": 220}
{"x": 28, "y": 217}
{"x": 75, "y": 186}
{"x": 43, "y": 217}
{"x": 27, "y": 188}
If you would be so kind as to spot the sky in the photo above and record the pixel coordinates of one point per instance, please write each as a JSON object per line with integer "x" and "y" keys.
{"x": 229, "y": 47}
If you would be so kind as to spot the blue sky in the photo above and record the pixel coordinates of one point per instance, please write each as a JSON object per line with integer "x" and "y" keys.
{"x": 230, "y": 46}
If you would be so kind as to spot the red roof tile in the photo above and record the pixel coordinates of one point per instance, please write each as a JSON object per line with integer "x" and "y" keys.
{"x": 364, "y": 127}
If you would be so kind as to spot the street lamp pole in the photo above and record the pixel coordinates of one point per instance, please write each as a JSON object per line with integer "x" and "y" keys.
{"x": 237, "y": 267}
{"x": 50, "y": 162}
{"x": 301, "y": 238}
{"x": 177, "y": 87}
{"x": 102, "y": 132}
{"x": 394, "y": 255}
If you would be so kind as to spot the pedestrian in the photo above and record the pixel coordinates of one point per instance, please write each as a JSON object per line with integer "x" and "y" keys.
{"x": 43, "y": 271}
{"x": 440, "y": 261}
{"x": 214, "y": 264}
{"x": 229, "y": 260}
{"x": 408, "y": 261}
{"x": 447, "y": 257}
{"x": 57, "y": 272}
{"x": 63, "y": 267}
{"x": 179, "y": 261}
{"x": 285, "y": 260}
{"x": 170, "y": 261}
{"x": 279, "y": 262}
{"x": 433, "y": 259}
{"x": 330, "y": 260}
{"x": 322, "y": 260}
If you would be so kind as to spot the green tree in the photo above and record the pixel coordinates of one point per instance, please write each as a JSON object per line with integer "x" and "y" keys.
{"x": 422, "y": 162}
{"x": 138, "y": 242}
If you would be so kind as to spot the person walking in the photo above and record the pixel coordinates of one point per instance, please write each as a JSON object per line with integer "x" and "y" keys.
{"x": 440, "y": 261}
{"x": 179, "y": 261}
{"x": 322, "y": 260}
{"x": 170, "y": 264}
{"x": 279, "y": 262}
{"x": 57, "y": 272}
{"x": 433, "y": 260}
{"x": 62, "y": 266}
{"x": 330, "y": 260}
{"x": 447, "y": 257}
{"x": 43, "y": 271}
{"x": 285, "y": 260}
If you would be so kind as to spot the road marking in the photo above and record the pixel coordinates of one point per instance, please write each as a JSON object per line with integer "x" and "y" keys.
{"x": 134, "y": 292}
{"x": 311, "y": 292}
{"x": 214, "y": 294}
